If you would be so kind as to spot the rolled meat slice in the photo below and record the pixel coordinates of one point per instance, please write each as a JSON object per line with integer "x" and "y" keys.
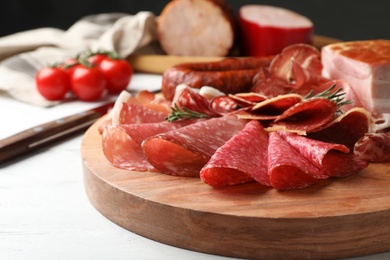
{"x": 183, "y": 152}
{"x": 266, "y": 30}
{"x": 242, "y": 159}
{"x": 196, "y": 28}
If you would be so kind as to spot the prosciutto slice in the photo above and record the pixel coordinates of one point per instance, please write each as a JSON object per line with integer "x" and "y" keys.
{"x": 242, "y": 159}
{"x": 135, "y": 114}
{"x": 374, "y": 147}
{"x": 122, "y": 151}
{"x": 185, "y": 151}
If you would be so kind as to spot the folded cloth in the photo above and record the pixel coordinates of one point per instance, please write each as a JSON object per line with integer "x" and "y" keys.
{"x": 23, "y": 54}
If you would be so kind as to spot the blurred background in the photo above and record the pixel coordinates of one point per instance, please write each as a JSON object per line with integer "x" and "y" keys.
{"x": 346, "y": 20}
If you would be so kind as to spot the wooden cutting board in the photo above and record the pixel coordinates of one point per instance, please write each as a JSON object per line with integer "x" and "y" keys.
{"x": 336, "y": 218}
{"x": 157, "y": 64}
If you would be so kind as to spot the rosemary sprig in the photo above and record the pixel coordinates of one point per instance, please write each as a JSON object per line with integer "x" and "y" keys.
{"x": 337, "y": 96}
{"x": 184, "y": 113}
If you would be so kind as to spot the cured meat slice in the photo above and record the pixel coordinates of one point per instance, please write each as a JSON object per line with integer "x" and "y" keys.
{"x": 242, "y": 159}
{"x": 333, "y": 159}
{"x": 287, "y": 168}
{"x": 195, "y": 102}
{"x": 223, "y": 105}
{"x": 265, "y": 84}
{"x": 349, "y": 93}
{"x": 366, "y": 66}
{"x": 307, "y": 57}
{"x": 346, "y": 129}
{"x": 266, "y": 30}
{"x": 185, "y": 151}
{"x": 207, "y": 25}
{"x": 336, "y": 164}
{"x": 374, "y": 147}
{"x": 313, "y": 150}
{"x": 122, "y": 151}
{"x": 140, "y": 132}
{"x": 306, "y": 116}
{"x": 135, "y": 114}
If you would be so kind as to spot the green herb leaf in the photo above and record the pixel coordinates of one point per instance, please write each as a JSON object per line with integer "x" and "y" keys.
{"x": 337, "y": 96}
{"x": 184, "y": 113}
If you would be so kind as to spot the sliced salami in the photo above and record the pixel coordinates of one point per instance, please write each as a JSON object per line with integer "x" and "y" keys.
{"x": 314, "y": 150}
{"x": 306, "y": 116}
{"x": 287, "y": 168}
{"x": 346, "y": 129}
{"x": 185, "y": 151}
{"x": 242, "y": 159}
{"x": 335, "y": 160}
{"x": 122, "y": 151}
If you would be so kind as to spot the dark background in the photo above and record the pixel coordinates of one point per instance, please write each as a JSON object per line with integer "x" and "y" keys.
{"x": 342, "y": 19}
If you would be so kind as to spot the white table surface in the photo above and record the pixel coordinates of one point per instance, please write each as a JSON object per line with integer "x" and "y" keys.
{"x": 44, "y": 210}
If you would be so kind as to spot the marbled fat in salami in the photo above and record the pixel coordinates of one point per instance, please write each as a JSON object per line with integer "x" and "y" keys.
{"x": 287, "y": 168}
{"x": 121, "y": 150}
{"x": 242, "y": 159}
{"x": 186, "y": 150}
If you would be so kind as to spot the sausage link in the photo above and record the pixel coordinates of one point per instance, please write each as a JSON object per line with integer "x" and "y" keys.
{"x": 231, "y": 75}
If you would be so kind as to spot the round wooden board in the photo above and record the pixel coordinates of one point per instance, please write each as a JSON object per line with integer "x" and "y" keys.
{"x": 337, "y": 218}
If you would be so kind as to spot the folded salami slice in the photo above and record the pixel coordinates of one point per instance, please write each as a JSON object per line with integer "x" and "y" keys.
{"x": 346, "y": 129}
{"x": 306, "y": 116}
{"x": 122, "y": 151}
{"x": 287, "y": 168}
{"x": 333, "y": 159}
{"x": 185, "y": 151}
{"x": 314, "y": 150}
{"x": 242, "y": 159}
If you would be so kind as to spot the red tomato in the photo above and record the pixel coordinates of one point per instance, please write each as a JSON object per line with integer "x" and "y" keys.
{"x": 118, "y": 74}
{"x": 97, "y": 59}
{"x": 69, "y": 65}
{"x": 88, "y": 84}
{"x": 52, "y": 83}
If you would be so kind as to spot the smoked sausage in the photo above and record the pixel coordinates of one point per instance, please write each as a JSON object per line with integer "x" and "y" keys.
{"x": 230, "y": 75}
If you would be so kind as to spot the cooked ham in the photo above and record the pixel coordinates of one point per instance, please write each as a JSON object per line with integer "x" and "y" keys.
{"x": 196, "y": 28}
{"x": 366, "y": 66}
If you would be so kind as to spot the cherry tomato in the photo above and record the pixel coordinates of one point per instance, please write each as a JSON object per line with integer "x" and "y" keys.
{"x": 69, "y": 65}
{"x": 97, "y": 59}
{"x": 118, "y": 74}
{"x": 52, "y": 83}
{"x": 88, "y": 84}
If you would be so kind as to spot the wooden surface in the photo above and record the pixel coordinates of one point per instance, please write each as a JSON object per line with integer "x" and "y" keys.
{"x": 157, "y": 64}
{"x": 334, "y": 219}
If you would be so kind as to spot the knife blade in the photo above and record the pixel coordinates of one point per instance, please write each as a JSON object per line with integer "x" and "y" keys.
{"x": 42, "y": 135}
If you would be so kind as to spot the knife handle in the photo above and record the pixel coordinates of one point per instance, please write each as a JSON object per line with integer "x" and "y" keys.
{"x": 45, "y": 134}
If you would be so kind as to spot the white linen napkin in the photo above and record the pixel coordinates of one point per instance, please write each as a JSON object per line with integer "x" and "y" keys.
{"x": 23, "y": 54}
